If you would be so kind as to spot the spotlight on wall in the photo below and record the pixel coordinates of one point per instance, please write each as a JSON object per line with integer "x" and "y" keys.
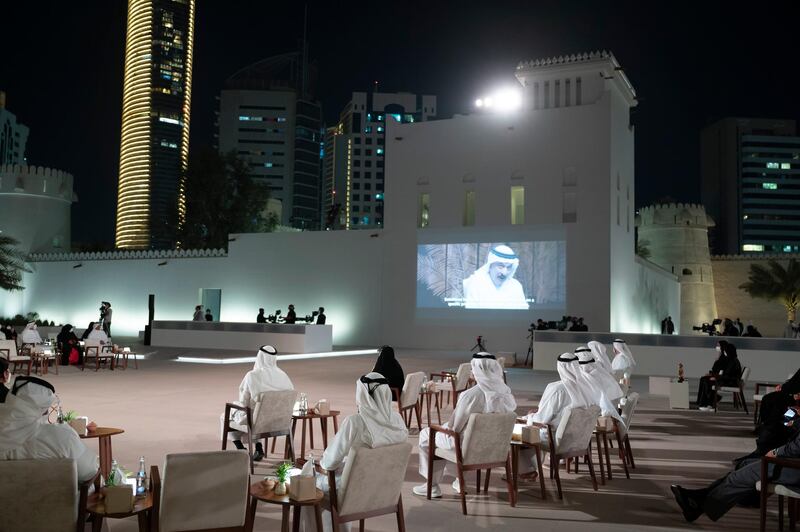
{"x": 502, "y": 100}
{"x": 163, "y": 263}
{"x": 78, "y": 265}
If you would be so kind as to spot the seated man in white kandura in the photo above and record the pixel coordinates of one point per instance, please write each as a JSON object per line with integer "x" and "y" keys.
{"x": 265, "y": 376}
{"x": 493, "y": 284}
{"x": 491, "y": 395}
{"x": 375, "y": 425}
{"x": 26, "y": 434}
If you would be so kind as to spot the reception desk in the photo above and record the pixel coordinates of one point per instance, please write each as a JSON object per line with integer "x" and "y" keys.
{"x": 299, "y": 338}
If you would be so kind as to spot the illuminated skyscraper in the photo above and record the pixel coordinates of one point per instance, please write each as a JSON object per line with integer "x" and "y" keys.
{"x": 156, "y": 99}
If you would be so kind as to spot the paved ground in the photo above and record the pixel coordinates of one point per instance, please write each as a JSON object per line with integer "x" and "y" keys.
{"x": 167, "y": 406}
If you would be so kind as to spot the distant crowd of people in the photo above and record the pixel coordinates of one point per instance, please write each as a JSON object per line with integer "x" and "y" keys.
{"x": 566, "y": 323}
{"x": 318, "y": 317}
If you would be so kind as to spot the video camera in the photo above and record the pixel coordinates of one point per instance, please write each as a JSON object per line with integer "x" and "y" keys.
{"x": 708, "y": 328}
{"x": 273, "y": 318}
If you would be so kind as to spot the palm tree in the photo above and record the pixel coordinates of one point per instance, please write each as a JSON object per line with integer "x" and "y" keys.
{"x": 773, "y": 282}
{"x": 12, "y": 264}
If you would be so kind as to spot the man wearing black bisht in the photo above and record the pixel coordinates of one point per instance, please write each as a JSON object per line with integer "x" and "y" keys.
{"x": 291, "y": 317}
{"x": 321, "y": 317}
{"x": 4, "y": 377}
{"x": 261, "y": 318}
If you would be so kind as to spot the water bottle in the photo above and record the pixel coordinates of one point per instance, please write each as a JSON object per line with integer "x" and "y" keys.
{"x": 113, "y": 475}
{"x": 310, "y": 458}
{"x": 303, "y": 404}
{"x": 59, "y": 415}
{"x": 141, "y": 479}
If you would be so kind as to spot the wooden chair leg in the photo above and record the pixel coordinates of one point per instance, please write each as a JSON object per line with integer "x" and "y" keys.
{"x": 624, "y": 458}
{"x": 600, "y": 459}
{"x": 792, "y": 513}
{"x": 463, "y": 489}
{"x": 225, "y": 435}
{"x": 401, "y": 520}
{"x": 608, "y": 458}
{"x": 274, "y": 441}
{"x": 756, "y": 404}
{"x": 558, "y": 481}
{"x": 591, "y": 469}
{"x": 250, "y": 454}
{"x": 539, "y": 465}
{"x": 477, "y": 481}
{"x": 418, "y": 411}
{"x": 512, "y": 494}
{"x": 431, "y": 449}
{"x": 744, "y": 401}
{"x": 360, "y": 525}
{"x": 763, "y": 510}
{"x": 629, "y": 451}
{"x": 486, "y": 481}
{"x": 780, "y": 512}
{"x": 290, "y": 446}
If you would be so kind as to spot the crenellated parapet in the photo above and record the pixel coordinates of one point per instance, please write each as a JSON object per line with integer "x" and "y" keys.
{"x": 692, "y": 214}
{"x": 127, "y": 255}
{"x": 565, "y": 59}
{"x": 37, "y": 181}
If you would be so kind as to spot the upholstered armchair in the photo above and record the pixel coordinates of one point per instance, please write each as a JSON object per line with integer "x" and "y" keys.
{"x": 8, "y": 350}
{"x": 408, "y": 398}
{"x": 271, "y": 418}
{"x": 572, "y": 439}
{"x": 452, "y": 384}
{"x": 43, "y": 495}
{"x": 737, "y": 391}
{"x": 370, "y": 486}
{"x": 201, "y": 491}
{"x": 485, "y": 443}
{"x": 768, "y": 488}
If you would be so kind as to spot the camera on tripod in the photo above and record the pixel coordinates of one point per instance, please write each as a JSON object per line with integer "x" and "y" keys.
{"x": 708, "y": 328}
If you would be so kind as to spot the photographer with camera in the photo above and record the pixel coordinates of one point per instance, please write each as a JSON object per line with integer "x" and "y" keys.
{"x": 708, "y": 328}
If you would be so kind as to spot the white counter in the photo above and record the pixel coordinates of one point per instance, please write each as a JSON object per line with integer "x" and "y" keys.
{"x": 299, "y": 338}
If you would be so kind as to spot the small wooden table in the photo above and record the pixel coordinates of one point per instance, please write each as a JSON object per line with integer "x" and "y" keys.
{"x": 124, "y": 355}
{"x": 309, "y": 418}
{"x": 516, "y": 446}
{"x": 141, "y": 509}
{"x": 103, "y": 435}
{"x": 260, "y": 492}
{"x": 425, "y": 399}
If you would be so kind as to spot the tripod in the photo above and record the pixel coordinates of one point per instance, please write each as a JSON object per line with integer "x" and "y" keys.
{"x": 530, "y": 350}
{"x": 479, "y": 344}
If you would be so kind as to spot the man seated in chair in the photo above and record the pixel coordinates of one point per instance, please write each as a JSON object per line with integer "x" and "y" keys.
{"x": 26, "y": 434}
{"x": 491, "y": 395}
{"x": 265, "y": 376}
{"x": 98, "y": 335}
{"x": 737, "y": 487}
{"x": 5, "y": 376}
{"x": 375, "y": 425}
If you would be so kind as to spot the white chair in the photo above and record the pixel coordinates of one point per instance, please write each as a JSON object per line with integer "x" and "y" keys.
{"x": 737, "y": 391}
{"x": 766, "y": 488}
{"x": 370, "y": 485}
{"x": 408, "y": 398}
{"x": 201, "y": 491}
{"x": 271, "y": 418}
{"x": 8, "y": 349}
{"x": 627, "y": 419}
{"x": 572, "y": 439}
{"x": 485, "y": 443}
{"x": 762, "y": 389}
{"x": 99, "y": 353}
{"x": 42, "y": 496}
{"x": 453, "y": 385}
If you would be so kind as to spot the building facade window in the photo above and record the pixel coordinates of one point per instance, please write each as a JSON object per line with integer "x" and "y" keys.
{"x": 567, "y": 87}
{"x": 557, "y": 93}
{"x": 469, "y": 208}
{"x": 423, "y": 210}
{"x": 517, "y": 205}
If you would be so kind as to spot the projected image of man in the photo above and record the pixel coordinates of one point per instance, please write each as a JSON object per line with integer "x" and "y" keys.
{"x": 493, "y": 284}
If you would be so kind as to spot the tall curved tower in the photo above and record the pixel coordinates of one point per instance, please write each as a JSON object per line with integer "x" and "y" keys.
{"x": 676, "y": 234}
{"x": 156, "y": 100}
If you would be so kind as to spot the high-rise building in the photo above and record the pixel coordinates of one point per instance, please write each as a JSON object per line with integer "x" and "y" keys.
{"x": 156, "y": 99}
{"x": 13, "y": 136}
{"x": 269, "y": 117}
{"x": 750, "y": 185}
{"x": 355, "y": 152}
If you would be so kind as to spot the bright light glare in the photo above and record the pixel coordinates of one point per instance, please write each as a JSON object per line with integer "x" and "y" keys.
{"x": 297, "y": 356}
{"x": 502, "y": 100}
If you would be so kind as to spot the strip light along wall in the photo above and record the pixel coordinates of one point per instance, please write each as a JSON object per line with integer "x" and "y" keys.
{"x": 187, "y": 104}
{"x": 281, "y": 358}
{"x": 133, "y": 196}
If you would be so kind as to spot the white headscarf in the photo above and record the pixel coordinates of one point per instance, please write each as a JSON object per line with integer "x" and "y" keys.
{"x": 603, "y": 386}
{"x": 623, "y": 361}
{"x": 30, "y": 335}
{"x": 23, "y": 412}
{"x": 384, "y": 426}
{"x": 266, "y": 376}
{"x": 569, "y": 372}
{"x": 489, "y": 376}
{"x": 600, "y": 355}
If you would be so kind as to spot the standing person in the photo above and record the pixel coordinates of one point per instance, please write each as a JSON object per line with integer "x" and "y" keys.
{"x": 388, "y": 366}
{"x": 321, "y": 317}
{"x": 491, "y": 395}
{"x": 291, "y": 317}
{"x": 198, "y": 313}
{"x": 670, "y": 325}
{"x": 265, "y": 376}
{"x": 107, "y": 318}
{"x": 739, "y": 325}
{"x": 261, "y": 318}
{"x": 209, "y": 316}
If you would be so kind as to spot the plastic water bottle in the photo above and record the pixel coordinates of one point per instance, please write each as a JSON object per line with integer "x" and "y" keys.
{"x": 141, "y": 479}
{"x": 60, "y": 415}
{"x": 310, "y": 458}
{"x": 303, "y": 404}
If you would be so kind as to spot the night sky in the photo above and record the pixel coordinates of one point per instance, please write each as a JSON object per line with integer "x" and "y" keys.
{"x": 691, "y": 63}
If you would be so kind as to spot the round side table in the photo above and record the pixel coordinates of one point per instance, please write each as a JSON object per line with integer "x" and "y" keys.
{"x": 141, "y": 509}
{"x": 103, "y": 435}
{"x": 260, "y": 492}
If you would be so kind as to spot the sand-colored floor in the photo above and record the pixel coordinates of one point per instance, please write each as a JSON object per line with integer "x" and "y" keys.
{"x": 168, "y": 407}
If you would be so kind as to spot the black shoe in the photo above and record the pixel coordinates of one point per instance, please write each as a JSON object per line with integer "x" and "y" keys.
{"x": 258, "y": 455}
{"x": 689, "y": 507}
{"x": 238, "y": 444}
